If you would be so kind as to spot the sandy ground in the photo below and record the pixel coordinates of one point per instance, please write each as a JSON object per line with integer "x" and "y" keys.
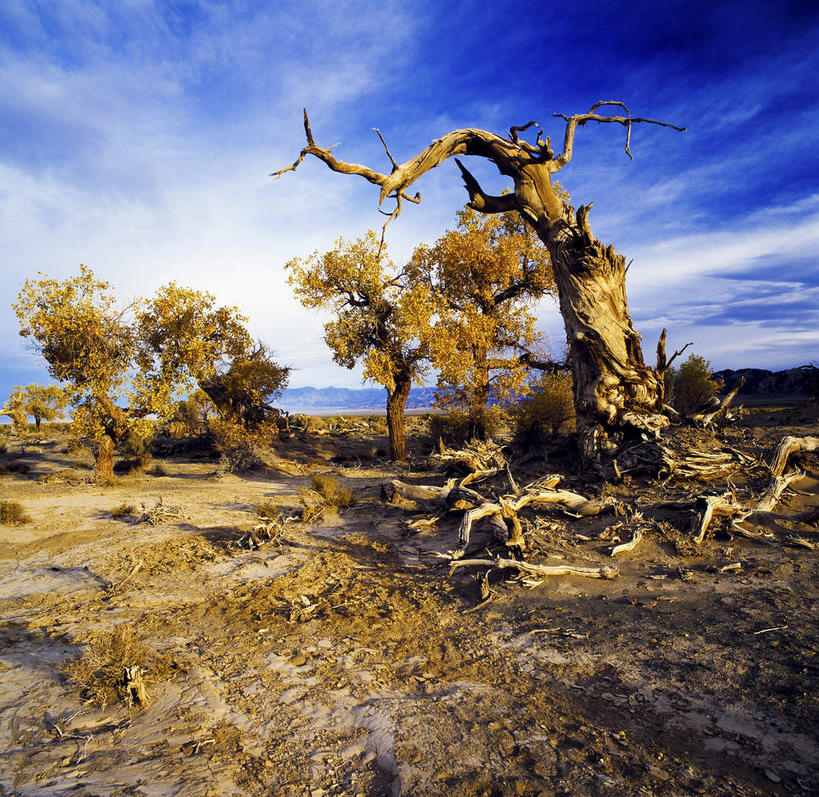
{"x": 339, "y": 660}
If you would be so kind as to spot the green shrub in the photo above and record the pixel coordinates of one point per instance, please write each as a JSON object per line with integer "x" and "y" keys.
{"x": 548, "y": 410}
{"x": 690, "y": 386}
{"x": 13, "y": 514}
{"x": 333, "y": 493}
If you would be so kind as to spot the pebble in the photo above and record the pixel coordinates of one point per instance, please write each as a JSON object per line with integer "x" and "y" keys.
{"x": 772, "y": 776}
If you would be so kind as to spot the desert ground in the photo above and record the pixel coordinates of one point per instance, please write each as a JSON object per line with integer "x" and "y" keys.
{"x": 338, "y": 658}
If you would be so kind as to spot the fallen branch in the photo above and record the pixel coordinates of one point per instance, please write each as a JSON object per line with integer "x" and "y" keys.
{"x": 625, "y": 547}
{"x": 604, "y": 571}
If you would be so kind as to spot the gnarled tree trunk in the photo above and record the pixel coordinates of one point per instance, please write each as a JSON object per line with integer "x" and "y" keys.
{"x": 615, "y": 392}
{"x": 18, "y": 419}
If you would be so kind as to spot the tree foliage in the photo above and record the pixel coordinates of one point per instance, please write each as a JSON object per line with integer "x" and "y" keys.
{"x": 44, "y": 402}
{"x": 483, "y": 277}
{"x": 380, "y": 318}
{"x": 122, "y": 365}
{"x": 690, "y": 386}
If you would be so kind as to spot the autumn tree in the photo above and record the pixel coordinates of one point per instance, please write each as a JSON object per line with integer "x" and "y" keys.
{"x": 15, "y": 408}
{"x": 483, "y": 276}
{"x": 106, "y": 357}
{"x": 616, "y": 394}
{"x": 186, "y": 341}
{"x": 44, "y": 402}
{"x": 89, "y": 346}
{"x": 381, "y": 318}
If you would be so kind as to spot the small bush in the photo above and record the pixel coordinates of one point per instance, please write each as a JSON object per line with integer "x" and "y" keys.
{"x": 332, "y": 492}
{"x": 690, "y": 386}
{"x": 99, "y": 671}
{"x": 548, "y": 410}
{"x": 159, "y": 469}
{"x": 74, "y": 446}
{"x": 379, "y": 426}
{"x": 123, "y": 511}
{"x": 13, "y": 514}
{"x": 267, "y": 510}
{"x": 458, "y": 426}
{"x": 240, "y": 448}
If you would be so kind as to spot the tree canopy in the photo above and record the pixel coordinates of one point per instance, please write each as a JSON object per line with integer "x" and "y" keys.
{"x": 381, "y": 317}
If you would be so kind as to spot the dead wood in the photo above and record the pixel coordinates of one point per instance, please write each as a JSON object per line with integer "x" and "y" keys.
{"x": 479, "y": 458}
{"x": 625, "y": 547}
{"x": 134, "y": 686}
{"x": 537, "y": 570}
{"x": 709, "y": 507}
{"x": 788, "y": 446}
{"x": 706, "y": 416}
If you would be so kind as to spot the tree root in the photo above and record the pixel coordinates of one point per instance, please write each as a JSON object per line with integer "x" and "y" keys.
{"x": 791, "y": 445}
{"x": 709, "y": 507}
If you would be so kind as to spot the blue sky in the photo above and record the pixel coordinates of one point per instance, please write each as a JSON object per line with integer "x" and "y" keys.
{"x": 138, "y": 136}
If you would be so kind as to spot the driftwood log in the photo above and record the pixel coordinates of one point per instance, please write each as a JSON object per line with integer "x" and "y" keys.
{"x": 789, "y": 446}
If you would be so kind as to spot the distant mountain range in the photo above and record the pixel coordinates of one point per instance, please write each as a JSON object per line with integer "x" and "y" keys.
{"x": 793, "y": 383}
{"x": 309, "y": 399}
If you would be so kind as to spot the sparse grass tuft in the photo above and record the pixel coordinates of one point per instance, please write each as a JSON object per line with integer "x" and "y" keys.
{"x": 123, "y": 511}
{"x": 99, "y": 671}
{"x": 13, "y": 514}
{"x": 332, "y": 492}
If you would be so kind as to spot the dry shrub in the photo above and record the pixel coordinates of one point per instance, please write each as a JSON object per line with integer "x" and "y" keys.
{"x": 13, "y": 514}
{"x": 690, "y": 386}
{"x": 332, "y": 492}
{"x": 159, "y": 469}
{"x": 123, "y": 511}
{"x": 268, "y": 510}
{"x": 458, "y": 426}
{"x": 75, "y": 446}
{"x": 379, "y": 426}
{"x": 240, "y": 448}
{"x": 548, "y": 410}
{"x": 99, "y": 671}
{"x": 4, "y": 447}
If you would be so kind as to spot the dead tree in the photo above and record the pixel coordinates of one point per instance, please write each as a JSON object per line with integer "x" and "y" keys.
{"x": 615, "y": 392}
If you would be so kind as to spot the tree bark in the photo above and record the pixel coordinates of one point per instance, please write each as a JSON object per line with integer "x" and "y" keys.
{"x": 396, "y": 404}
{"x": 104, "y": 466}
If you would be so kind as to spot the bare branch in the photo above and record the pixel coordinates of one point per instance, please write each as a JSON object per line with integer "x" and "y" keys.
{"x": 386, "y": 149}
{"x": 580, "y": 119}
{"x": 664, "y": 364}
{"x": 482, "y": 202}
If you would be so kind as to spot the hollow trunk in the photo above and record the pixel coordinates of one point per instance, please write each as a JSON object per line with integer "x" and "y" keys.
{"x": 396, "y": 403}
{"x": 615, "y": 392}
{"x": 104, "y": 465}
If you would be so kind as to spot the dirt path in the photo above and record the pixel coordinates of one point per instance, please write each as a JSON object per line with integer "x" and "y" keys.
{"x": 339, "y": 659}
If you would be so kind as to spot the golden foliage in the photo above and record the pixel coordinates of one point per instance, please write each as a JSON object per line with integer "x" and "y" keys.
{"x": 548, "y": 409}
{"x": 691, "y": 385}
{"x": 378, "y": 314}
{"x": 481, "y": 277}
